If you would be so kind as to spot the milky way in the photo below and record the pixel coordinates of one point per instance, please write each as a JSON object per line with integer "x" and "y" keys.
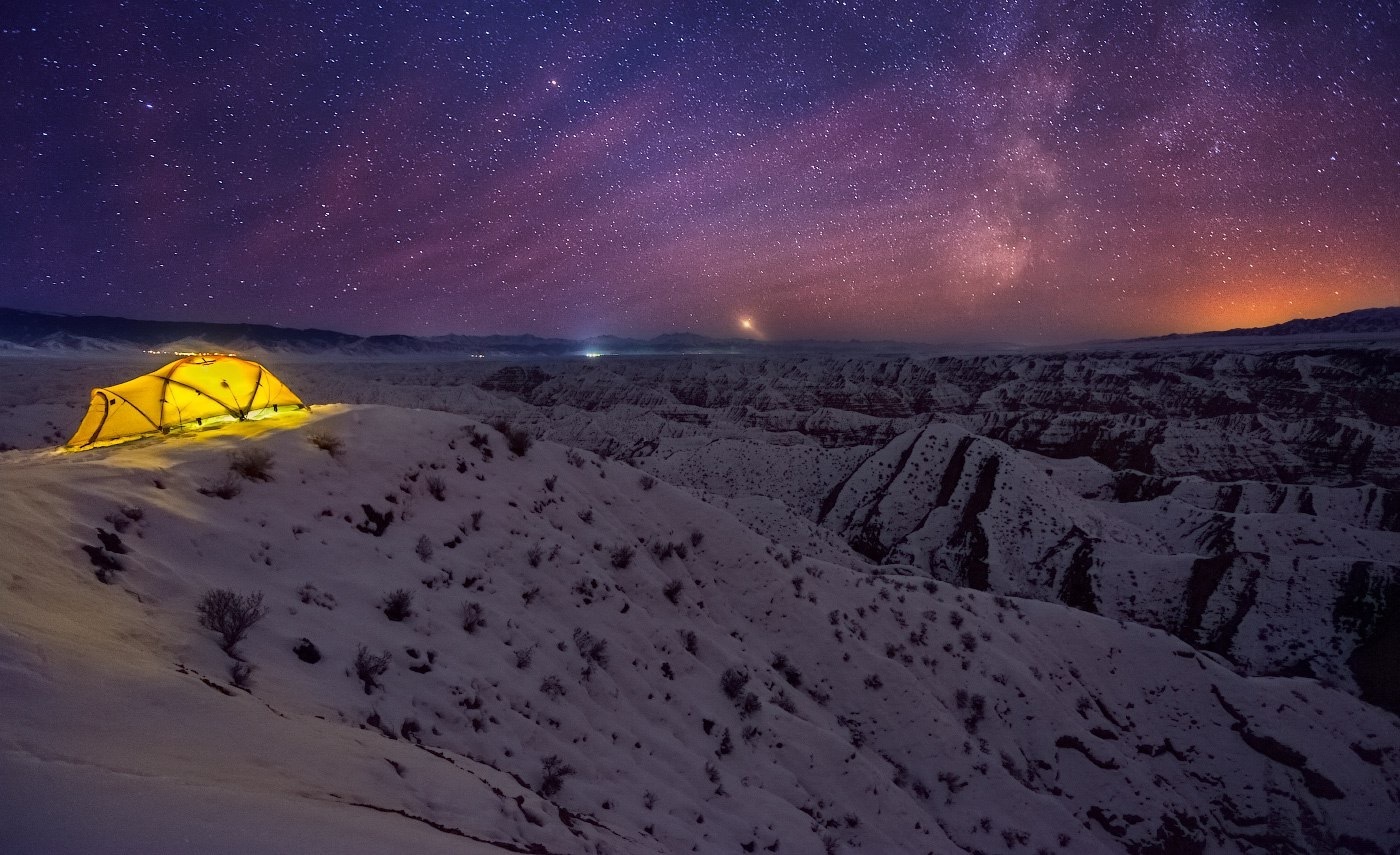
{"x": 931, "y": 171}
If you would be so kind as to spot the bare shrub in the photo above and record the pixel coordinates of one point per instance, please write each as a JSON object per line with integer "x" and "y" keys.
{"x": 586, "y": 515}
{"x": 310, "y": 595}
{"x": 622, "y": 556}
{"x": 787, "y": 669}
{"x": 223, "y": 488}
{"x": 977, "y": 711}
{"x": 550, "y": 482}
{"x": 437, "y": 488}
{"x": 255, "y": 464}
{"x": 647, "y": 482}
{"x": 590, "y": 649}
{"x": 473, "y": 618}
{"x": 574, "y": 458}
{"x": 398, "y": 605}
{"x": 783, "y": 701}
{"x": 690, "y": 641}
{"x": 327, "y": 442}
{"x": 673, "y": 590}
{"x": 553, "y": 688}
{"x": 732, "y": 682}
{"x": 518, "y": 440}
{"x": 524, "y": 656}
{"x": 697, "y": 537}
{"x": 241, "y": 673}
{"x": 370, "y": 667}
{"x": 555, "y": 771}
{"x": 424, "y": 549}
{"x": 534, "y": 555}
{"x": 231, "y": 615}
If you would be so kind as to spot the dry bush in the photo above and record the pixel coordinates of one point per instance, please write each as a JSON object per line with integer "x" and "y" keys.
{"x": 255, "y": 464}
{"x": 225, "y": 488}
{"x": 555, "y": 771}
{"x": 369, "y": 667}
{"x": 327, "y": 442}
{"x": 231, "y": 615}
{"x": 241, "y": 673}
{"x": 424, "y": 549}
{"x": 518, "y": 440}
{"x": 398, "y": 605}
{"x": 592, "y": 650}
{"x": 733, "y": 682}
{"x": 473, "y": 618}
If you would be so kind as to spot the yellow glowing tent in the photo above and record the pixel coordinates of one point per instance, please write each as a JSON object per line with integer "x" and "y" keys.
{"x": 195, "y": 390}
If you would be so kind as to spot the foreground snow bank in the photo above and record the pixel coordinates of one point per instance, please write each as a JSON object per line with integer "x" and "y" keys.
{"x": 694, "y": 684}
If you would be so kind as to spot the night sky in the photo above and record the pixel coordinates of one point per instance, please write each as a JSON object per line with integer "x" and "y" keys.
{"x": 1037, "y": 172}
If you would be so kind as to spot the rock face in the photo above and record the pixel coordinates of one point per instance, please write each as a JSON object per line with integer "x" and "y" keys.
{"x": 1225, "y": 495}
{"x": 1277, "y": 578}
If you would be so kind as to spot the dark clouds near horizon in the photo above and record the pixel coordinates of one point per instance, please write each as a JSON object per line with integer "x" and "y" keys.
{"x": 1028, "y": 171}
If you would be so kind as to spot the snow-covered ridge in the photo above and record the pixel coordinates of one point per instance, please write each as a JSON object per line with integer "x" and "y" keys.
{"x": 862, "y": 711}
{"x": 1245, "y": 500}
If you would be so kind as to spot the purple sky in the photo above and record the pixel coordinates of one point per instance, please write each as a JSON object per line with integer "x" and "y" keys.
{"x": 925, "y": 171}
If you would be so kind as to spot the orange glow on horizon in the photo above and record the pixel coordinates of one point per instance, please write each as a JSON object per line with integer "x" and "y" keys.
{"x": 1260, "y": 301}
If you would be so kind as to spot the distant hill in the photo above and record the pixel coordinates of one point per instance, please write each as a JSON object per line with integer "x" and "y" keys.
{"x": 38, "y": 329}
{"x": 46, "y": 332}
{"x": 53, "y": 332}
{"x": 1380, "y": 320}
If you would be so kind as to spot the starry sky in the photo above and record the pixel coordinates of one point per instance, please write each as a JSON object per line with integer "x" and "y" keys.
{"x": 935, "y": 171}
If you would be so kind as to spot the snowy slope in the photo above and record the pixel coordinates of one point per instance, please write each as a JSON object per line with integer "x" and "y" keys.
{"x": 876, "y": 711}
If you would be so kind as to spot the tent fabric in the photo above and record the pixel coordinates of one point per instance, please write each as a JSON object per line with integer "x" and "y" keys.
{"x": 188, "y": 391}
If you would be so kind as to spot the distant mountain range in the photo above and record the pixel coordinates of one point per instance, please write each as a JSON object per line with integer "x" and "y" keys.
{"x": 1361, "y": 321}
{"x": 52, "y": 332}
{"x": 95, "y": 333}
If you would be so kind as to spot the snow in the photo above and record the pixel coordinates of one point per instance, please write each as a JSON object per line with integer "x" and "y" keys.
{"x": 910, "y": 715}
